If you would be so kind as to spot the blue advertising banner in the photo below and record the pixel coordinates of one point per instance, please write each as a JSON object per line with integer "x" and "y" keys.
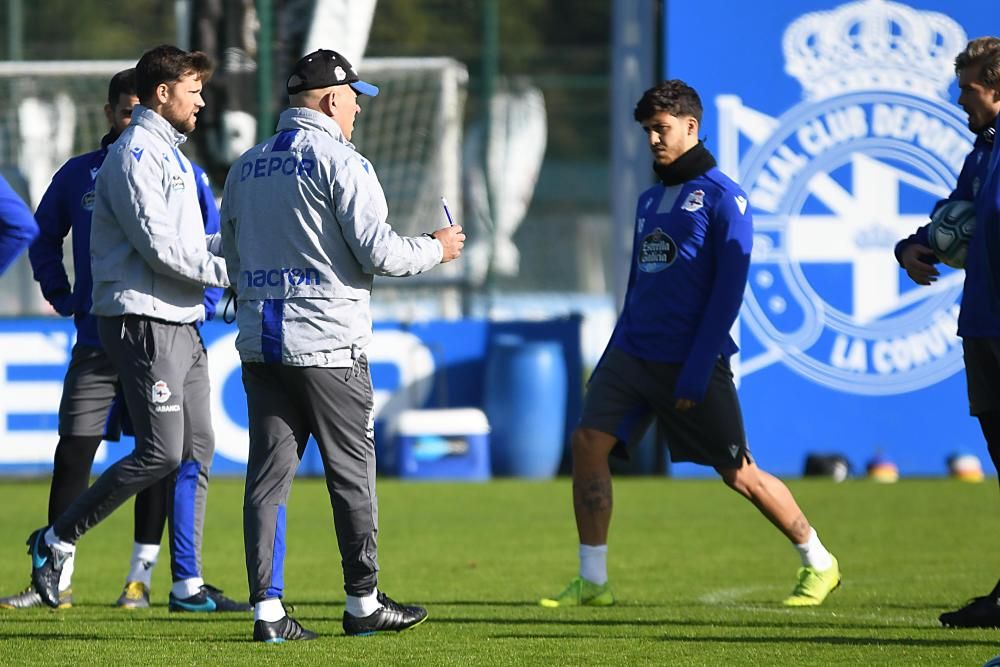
{"x": 435, "y": 364}
{"x": 840, "y": 121}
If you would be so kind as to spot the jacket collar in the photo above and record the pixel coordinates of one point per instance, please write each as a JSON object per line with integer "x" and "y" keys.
{"x": 301, "y": 118}
{"x": 108, "y": 139}
{"x": 149, "y": 120}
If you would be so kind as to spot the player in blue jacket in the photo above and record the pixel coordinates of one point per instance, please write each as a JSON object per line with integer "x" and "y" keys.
{"x": 89, "y": 391}
{"x": 978, "y": 69}
{"x": 669, "y": 354}
{"x": 17, "y": 228}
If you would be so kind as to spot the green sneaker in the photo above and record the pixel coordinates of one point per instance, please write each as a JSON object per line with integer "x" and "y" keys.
{"x": 814, "y": 585}
{"x": 582, "y": 593}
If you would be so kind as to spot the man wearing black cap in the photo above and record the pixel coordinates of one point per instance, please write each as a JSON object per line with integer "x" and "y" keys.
{"x": 304, "y": 232}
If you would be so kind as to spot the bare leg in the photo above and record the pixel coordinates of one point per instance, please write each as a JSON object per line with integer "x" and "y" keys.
{"x": 770, "y": 495}
{"x": 592, "y": 484}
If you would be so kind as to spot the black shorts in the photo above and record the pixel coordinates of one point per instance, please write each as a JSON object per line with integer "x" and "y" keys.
{"x": 626, "y": 393}
{"x": 88, "y": 393}
{"x": 982, "y": 374}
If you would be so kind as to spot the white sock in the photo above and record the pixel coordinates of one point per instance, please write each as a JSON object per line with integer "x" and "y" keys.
{"x": 53, "y": 542}
{"x": 143, "y": 561}
{"x": 185, "y": 588}
{"x": 814, "y": 554}
{"x": 362, "y": 606}
{"x": 269, "y": 610}
{"x": 66, "y": 576}
{"x": 594, "y": 563}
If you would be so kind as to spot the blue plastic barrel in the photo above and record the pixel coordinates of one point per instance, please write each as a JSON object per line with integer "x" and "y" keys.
{"x": 525, "y": 403}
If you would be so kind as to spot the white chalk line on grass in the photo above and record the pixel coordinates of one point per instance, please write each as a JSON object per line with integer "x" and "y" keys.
{"x": 729, "y": 598}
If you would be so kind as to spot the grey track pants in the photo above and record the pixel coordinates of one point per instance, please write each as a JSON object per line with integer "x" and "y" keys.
{"x": 286, "y": 405}
{"x": 164, "y": 376}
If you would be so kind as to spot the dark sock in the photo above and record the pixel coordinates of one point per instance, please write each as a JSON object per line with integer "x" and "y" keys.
{"x": 151, "y": 512}
{"x": 71, "y": 471}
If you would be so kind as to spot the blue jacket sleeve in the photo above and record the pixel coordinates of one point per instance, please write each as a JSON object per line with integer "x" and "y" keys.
{"x": 17, "y": 226}
{"x": 730, "y": 243}
{"x": 210, "y": 215}
{"x": 46, "y": 253}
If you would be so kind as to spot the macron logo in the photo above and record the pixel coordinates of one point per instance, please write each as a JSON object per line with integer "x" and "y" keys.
{"x": 137, "y": 153}
{"x": 741, "y": 203}
{"x": 275, "y": 277}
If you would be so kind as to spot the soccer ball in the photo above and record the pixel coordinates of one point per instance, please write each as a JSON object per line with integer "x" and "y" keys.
{"x": 993, "y": 662}
{"x": 951, "y": 228}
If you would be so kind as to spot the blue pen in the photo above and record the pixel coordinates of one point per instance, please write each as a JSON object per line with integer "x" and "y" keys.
{"x": 444, "y": 202}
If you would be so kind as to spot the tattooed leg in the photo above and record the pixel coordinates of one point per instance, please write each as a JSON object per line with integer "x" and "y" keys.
{"x": 769, "y": 495}
{"x": 592, "y": 498}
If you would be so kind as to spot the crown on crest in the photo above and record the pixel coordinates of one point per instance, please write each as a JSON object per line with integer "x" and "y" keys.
{"x": 873, "y": 45}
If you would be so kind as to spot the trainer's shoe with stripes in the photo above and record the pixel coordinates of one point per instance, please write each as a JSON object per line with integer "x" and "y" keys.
{"x": 46, "y": 567}
{"x": 814, "y": 585}
{"x": 135, "y": 595}
{"x": 391, "y": 617}
{"x": 29, "y": 598}
{"x": 277, "y": 632}
{"x": 208, "y": 598}
{"x": 582, "y": 593}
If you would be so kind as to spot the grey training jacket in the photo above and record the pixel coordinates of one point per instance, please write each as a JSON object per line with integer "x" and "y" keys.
{"x": 148, "y": 249}
{"x": 303, "y": 232}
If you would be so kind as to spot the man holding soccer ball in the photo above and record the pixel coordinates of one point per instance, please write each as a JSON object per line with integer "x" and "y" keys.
{"x": 978, "y": 70}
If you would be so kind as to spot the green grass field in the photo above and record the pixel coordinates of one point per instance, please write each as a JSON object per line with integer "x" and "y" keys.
{"x": 698, "y": 573}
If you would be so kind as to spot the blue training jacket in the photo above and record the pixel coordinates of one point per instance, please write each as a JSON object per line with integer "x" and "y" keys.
{"x": 67, "y": 205}
{"x": 690, "y": 260}
{"x": 977, "y": 318}
{"x": 17, "y": 228}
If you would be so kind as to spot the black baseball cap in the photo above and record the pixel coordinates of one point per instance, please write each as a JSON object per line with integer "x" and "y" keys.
{"x": 324, "y": 68}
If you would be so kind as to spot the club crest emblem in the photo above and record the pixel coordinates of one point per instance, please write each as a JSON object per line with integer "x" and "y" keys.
{"x": 694, "y": 201}
{"x": 160, "y": 392}
{"x": 835, "y": 181}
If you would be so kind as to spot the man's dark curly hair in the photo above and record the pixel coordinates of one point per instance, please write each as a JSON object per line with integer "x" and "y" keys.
{"x": 673, "y": 96}
{"x": 168, "y": 64}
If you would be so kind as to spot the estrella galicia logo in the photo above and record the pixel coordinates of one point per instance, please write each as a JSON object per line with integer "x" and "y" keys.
{"x": 835, "y": 181}
{"x": 87, "y": 201}
{"x": 657, "y": 251}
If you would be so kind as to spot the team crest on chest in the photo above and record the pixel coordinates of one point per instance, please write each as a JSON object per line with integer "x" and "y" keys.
{"x": 87, "y": 201}
{"x": 176, "y": 182}
{"x": 694, "y": 201}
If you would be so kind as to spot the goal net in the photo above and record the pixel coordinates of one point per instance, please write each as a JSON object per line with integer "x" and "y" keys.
{"x": 412, "y": 133}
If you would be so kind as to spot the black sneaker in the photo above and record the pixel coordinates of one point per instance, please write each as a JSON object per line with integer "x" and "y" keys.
{"x": 392, "y": 616}
{"x": 46, "y": 567}
{"x": 208, "y": 598}
{"x": 287, "y": 629}
{"x": 981, "y": 612}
